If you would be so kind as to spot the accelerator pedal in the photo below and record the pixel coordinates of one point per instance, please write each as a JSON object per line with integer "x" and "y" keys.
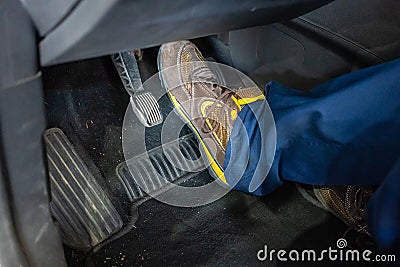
{"x": 82, "y": 209}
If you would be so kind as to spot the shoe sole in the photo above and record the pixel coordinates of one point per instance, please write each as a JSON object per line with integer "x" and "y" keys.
{"x": 214, "y": 169}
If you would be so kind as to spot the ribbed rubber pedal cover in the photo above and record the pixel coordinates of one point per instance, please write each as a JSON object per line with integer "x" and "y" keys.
{"x": 158, "y": 164}
{"x": 82, "y": 209}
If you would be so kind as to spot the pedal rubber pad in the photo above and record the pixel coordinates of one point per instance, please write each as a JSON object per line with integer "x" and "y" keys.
{"x": 82, "y": 209}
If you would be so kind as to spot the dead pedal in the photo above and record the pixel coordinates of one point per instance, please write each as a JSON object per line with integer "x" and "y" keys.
{"x": 82, "y": 209}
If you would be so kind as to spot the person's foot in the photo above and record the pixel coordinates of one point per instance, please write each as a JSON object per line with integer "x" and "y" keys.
{"x": 348, "y": 203}
{"x": 208, "y": 108}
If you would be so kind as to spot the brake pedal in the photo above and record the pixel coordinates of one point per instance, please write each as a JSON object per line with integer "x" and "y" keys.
{"x": 155, "y": 168}
{"x": 82, "y": 209}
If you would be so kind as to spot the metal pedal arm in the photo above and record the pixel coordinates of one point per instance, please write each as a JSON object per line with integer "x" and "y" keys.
{"x": 143, "y": 103}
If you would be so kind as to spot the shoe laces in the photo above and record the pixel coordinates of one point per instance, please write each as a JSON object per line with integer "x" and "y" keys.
{"x": 221, "y": 100}
{"x": 203, "y": 74}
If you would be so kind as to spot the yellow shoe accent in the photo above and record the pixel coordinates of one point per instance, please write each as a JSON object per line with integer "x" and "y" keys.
{"x": 236, "y": 102}
{"x": 244, "y": 101}
{"x": 233, "y": 114}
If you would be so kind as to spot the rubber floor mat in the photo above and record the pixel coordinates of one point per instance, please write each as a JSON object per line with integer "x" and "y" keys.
{"x": 82, "y": 209}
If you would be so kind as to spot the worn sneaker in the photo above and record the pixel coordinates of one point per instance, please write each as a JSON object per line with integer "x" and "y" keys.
{"x": 348, "y": 203}
{"x": 209, "y": 108}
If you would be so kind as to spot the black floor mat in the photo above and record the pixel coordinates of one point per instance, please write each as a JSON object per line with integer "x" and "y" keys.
{"x": 228, "y": 232}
